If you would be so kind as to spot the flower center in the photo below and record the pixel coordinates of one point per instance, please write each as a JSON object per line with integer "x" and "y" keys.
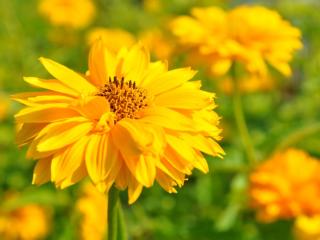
{"x": 125, "y": 98}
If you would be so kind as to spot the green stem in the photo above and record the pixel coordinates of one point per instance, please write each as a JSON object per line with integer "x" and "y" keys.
{"x": 298, "y": 136}
{"x": 122, "y": 224}
{"x": 241, "y": 122}
{"x": 113, "y": 203}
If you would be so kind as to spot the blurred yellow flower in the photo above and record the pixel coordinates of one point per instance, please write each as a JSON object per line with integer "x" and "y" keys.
{"x": 4, "y": 106}
{"x": 127, "y": 122}
{"x": 91, "y": 202}
{"x": 285, "y": 186}
{"x": 68, "y": 13}
{"x": 252, "y": 35}
{"x": 307, "y": 228}
{"x": 113, "y": 39}
{"x": 152, "y": 5}
{"x": 249, "y": 84}
{"x": 160, "y": 46}
{"x": 29, "y": 222}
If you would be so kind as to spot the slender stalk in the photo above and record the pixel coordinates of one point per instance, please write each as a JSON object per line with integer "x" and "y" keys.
{"x": 113, "y": 205}
{"x": 122, "y": 224}
{"x": 298, "y": 136}
{"x": 241, "y": 121}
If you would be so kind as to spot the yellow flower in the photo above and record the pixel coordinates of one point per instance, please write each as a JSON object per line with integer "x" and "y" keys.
{"x": 127, "y": 122}
{"x": 93, "y": 225}
{"x": 113, "y": 39}
{"x": 68, "y": 13}
{"x": 252, "y": 35}
{"x": 158, "y": 44}
{"x": 29, "y": 222}
{"x": 249, "y": 84}
{"x": 285, "y": 186}
{"x": 307, "y": 228}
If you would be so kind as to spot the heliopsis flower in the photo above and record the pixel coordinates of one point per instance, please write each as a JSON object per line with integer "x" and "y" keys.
{"x": 285, "y": 186}
{"x": 160, "y": 46}
{"x": 252, "y": 35}
{"x": 113, "y": 39}
{"x": 91, "y": 202}
{"x": 68, "y": 13}
{"x": 29, "y": 222}
{"x": 128, "y": 122}
{"x": 307, "y": 228}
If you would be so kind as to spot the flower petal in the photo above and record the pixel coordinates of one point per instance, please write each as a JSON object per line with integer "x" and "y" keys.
{"x": 41, "y": 173}
{"x": 101, "y": 157}
{"x": 68, "y": 77}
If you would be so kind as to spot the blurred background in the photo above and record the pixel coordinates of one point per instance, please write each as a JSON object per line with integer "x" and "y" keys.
{"x": 212, "y": 206}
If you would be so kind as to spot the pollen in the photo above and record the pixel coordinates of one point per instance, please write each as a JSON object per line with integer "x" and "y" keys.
{"x": 124, "y": 97}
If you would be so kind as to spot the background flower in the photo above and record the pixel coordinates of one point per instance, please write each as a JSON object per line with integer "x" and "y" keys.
{"x": 68, "y": 13}
{"x": 279, "y": 189}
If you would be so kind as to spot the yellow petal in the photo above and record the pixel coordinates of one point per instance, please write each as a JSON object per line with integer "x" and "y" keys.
{"x": 170, "y": 80}
{"x": 134, "y": 189}
{"x": 185, "y": 98}
{"x": 166, "y": 118}
{"x": 27, "y": 132}
{"x": 204, "y": 144}
{"x": 97, "y": 65}
{"x": 68, "y": 77}
{"x": 62, "y": 134}
{"x": 135, "y": 63}
{"x": 101, "y": 157}
{"x": 41, "y": 173}
{"x": 45, "y": 113}
{"x": 135, "y": 145}
{"x": 166, "y": 182}
{"x": 155, "y": 69}
{"x": 53, "y": 85}
{"x": 67, "y": 163}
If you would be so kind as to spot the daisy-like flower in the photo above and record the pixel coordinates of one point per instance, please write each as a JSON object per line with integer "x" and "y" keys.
{"x": 93, "y": 225}
{"x": 252, "y": 35}
{"x": 68, "y": 13}
{"x": 285, "y": 186}
{"x": 127, "y": 122}
{"x": 307, "y": 228}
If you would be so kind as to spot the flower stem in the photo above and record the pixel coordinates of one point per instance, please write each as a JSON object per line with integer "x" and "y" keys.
{"x": 122, "y": 224}
{"x": 113, "y": 203}
{"x": 298, "y": 136}
{"x": 241, "y": 121}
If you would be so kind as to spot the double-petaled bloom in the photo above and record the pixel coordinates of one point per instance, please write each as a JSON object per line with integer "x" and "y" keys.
{"x": 251, "y": 35}
{"x": 127, "y": 122}
{"x": 286, "y": 186}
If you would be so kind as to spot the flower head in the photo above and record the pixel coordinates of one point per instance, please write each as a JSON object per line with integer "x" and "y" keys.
{"x": 285, "y": 186}
{"x": 28, "y": 222}
{"x": 252, "y": 35}
{"x": 127, "y": 122}
{"x": 307, "y": 228}
{"x": 93, "y": 225}
{"x": 68, "y": 13}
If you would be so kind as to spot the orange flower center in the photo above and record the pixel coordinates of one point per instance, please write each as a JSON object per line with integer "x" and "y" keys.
{"x": 125, "y": 98}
